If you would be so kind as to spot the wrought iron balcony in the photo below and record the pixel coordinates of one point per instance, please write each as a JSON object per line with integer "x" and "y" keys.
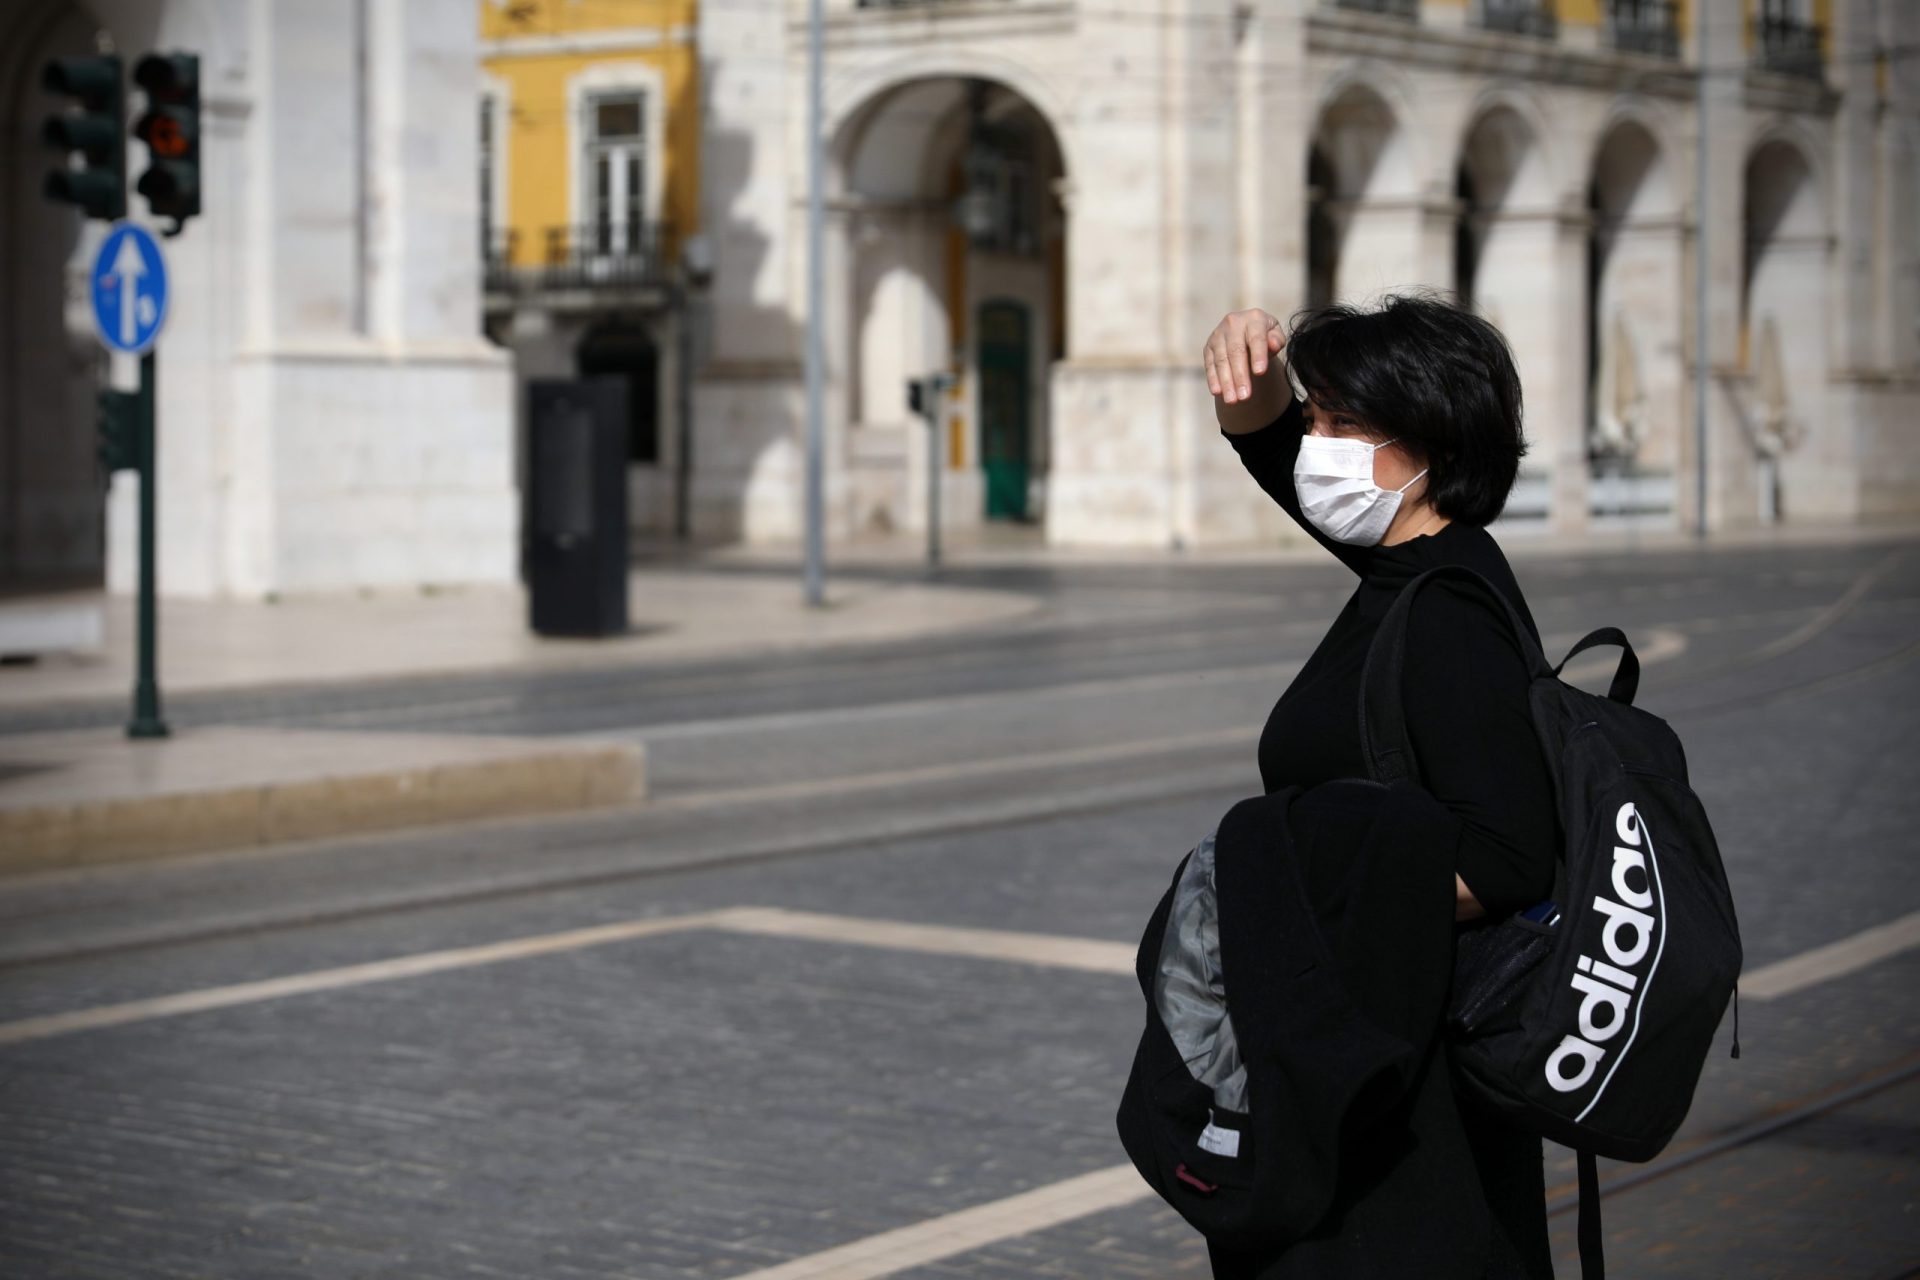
{"x": 1789, "y": 44}
{"x": 1523, "y": 17}
{"x": 1409, "y": 9}
{"x": 1644, "y": 26}
{"x": 594, "y": 258}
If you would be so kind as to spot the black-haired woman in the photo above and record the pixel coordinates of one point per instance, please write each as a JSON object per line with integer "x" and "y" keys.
{"x": 1393, "y": 436}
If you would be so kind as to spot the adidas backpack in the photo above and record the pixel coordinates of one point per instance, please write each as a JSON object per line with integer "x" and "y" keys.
{"x": 1587, "y": 1019}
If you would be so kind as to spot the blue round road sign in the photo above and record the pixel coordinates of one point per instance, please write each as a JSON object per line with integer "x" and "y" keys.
{"x": 129, "y": 288}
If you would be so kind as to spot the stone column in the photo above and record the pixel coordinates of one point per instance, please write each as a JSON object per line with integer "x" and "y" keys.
{"x": 1151, "y": 273}
{"x": 1532, "y": 284}
{"x": 748, "y": 396}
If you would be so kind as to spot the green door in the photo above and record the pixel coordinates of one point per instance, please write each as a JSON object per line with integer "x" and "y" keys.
{"x": 1003, "y": 356}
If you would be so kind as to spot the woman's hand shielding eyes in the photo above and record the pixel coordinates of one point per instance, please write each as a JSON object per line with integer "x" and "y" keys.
{"x": 1249, "y": 388}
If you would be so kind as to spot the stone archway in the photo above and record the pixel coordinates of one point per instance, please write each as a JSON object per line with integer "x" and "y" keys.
{"x": 1635, "y": 375}
{"x": 1515, "y": 246}
{"x": 945, "y": 208}
{"x": 1365, "y": 218}
{"x": 1802, "y": 467}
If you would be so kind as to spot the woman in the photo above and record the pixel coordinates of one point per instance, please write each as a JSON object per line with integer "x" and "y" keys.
{"x": 1393, "y": 437}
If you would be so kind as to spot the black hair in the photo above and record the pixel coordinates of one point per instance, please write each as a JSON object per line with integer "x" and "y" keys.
{"x": 1438, "y": 378}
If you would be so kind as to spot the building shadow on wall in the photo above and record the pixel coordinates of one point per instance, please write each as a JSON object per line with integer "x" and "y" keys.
{"x": 748, "y": 411}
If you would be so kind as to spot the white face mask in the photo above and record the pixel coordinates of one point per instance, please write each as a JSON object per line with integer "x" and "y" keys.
{"x": 1334, "y": 479}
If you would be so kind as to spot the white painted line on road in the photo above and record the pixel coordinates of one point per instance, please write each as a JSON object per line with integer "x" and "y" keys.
{"x": 1060, "y": 952}
{"x": 892, "y": 1252}
{"x": 1052, "y": 950}
{"x": 353, "y": 975}
{"x": 1835, "y": 960}
{"x": 1091, "y": 955}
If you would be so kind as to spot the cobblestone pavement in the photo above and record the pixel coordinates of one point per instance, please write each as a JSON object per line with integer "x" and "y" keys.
{"x": 715, "y": 1102}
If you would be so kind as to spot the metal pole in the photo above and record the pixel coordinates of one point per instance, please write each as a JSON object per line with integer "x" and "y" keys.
{"x": 683, "y": 406}
{"x": 816, "y": 319}
{"x": 1702, "y": 336}
{"x": 934, "y": 399}
{"x": 146, "y": 722}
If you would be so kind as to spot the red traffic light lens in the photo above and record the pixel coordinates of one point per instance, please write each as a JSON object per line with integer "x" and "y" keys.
{"x": 163, "y": 136}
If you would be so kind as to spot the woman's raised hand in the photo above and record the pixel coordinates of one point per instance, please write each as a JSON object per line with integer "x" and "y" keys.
{"x": 1248, "y": 389}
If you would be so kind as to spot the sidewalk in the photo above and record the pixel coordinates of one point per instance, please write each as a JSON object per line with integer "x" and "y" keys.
{"x": 75, "y": 799}
{"x": 678, "y": 614}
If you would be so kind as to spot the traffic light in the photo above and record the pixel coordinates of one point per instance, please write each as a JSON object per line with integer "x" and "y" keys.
{"x": 171, "y": 129}
{"x": 119, "y": 430}
{"x": 95, "y": 177}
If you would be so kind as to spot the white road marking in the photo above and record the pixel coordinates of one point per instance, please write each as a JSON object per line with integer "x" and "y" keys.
{"x": 352, "y": 975}
{"x": 1089, "y": 954}
{"x": 1835, "y": 960}
{"x": 892, "y": 1252}
{"x": 1052, "y": 950}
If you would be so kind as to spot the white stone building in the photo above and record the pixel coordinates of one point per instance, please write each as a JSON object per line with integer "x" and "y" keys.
{"x": 329, "y": 416}
{"x": 1142, "y": 166}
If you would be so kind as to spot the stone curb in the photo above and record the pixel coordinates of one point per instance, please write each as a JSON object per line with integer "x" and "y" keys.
{"x": 121, "y": 829}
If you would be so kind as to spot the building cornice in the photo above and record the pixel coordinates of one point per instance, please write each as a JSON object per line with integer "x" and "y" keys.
{"x": 579, "y": 43}
{"x": 1414, "y": 44}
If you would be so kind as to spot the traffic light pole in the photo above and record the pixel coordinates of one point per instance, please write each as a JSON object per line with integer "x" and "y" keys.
{"x": 146, "y": 722}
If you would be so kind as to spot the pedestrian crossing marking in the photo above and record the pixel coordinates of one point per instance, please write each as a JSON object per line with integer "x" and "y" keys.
{"x": 987, "y": 944}
{"x": 892, "y": 1252}
{"x": 352, "y": 975}
{"x": 1835, "y": 960}
{"x": 1051, "y": 950}
{"x": 1090, "y": 955}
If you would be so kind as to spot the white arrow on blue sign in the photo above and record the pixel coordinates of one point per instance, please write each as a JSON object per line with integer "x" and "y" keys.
{"x": 129, "y": 288}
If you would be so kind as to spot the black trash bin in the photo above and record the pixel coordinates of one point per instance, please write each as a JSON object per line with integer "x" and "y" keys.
{"x": 577, "y": 506}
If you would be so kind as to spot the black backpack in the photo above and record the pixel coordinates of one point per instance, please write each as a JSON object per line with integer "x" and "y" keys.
{"x": 1589, "y": 1018}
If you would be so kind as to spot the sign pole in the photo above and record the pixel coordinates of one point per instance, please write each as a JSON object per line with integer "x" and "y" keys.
{"x": 933, "y": 477}
{"x": 146, "y": 722}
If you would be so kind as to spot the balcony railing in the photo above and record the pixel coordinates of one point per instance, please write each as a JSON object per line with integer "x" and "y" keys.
{"x": 1409, "y": 9}
{"x": 1523, "y": 17}
{"x": 596, "y": 257}
{"x": 1789, "y": 44}
{"x": 1644, "y": 26}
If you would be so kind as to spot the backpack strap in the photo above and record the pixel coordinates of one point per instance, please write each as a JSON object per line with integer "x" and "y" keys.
{"x": 1593, "y": 1259}
{"x": 1626, "y": 677}
{"x": 1383, "y": 716}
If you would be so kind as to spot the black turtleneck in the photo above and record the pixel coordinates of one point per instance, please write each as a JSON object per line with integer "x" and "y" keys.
{"x": 1466, "y": 692}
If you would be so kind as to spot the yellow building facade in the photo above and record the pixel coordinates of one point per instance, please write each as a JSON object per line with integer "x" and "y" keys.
{"x": 590, "y": 123}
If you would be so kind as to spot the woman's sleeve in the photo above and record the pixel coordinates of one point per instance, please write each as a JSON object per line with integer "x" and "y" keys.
{"x": 1268, "y": 456}
{"x": 1473, "y": 738}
